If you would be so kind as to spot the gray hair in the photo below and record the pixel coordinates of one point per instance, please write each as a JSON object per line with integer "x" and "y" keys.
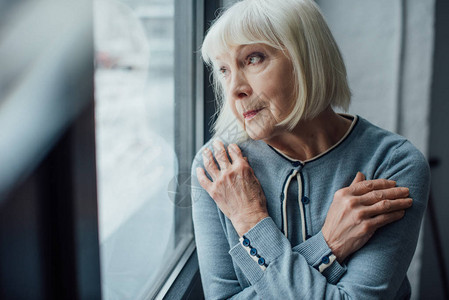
{"x": 296, "y": 27}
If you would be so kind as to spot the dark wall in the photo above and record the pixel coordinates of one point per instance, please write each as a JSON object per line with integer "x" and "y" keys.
{"x": 435, "y": 263}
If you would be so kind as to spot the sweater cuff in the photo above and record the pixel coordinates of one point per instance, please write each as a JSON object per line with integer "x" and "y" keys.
{"x": 268, "y": 243}
{"x": 315, "y": 250}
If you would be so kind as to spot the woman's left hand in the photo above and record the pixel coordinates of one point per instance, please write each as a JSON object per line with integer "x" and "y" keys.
{"x": 234, "y": 187}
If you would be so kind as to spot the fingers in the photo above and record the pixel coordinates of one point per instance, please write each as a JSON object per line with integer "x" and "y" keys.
{"x": 384, "y": 219}
{"x": 202, "y": 178}
{"x": 359, "y": 177}
{"x": 388, "y": 206}
{"x": 220, "y": 155}
{"x": 234, "y": 152}
{"x": 385, "y": 194}
{"x": 209, "y": 164}
{"x": 366, "y": 186}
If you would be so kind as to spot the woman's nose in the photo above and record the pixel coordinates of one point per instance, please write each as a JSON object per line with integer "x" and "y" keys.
{"x": 240, "y": 86}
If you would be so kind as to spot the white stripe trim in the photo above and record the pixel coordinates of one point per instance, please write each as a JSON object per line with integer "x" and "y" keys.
{"x": 323, "y": 267}
{"x": 301, "y": 208}
{"x": 284, "y": 201}
{"x": 255, "y": 258}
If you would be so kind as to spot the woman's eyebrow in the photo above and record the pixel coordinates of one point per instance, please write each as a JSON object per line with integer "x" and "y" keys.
{"x": 222, "y": 58}
{"x": 242, "y": 48}
{"x": 218, "y": 58}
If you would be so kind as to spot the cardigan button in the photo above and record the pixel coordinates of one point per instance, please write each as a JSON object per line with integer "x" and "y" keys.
{"x": 246, "y": 242}
{"x": 296, "y": 163}
{"x": 261, "y": 261}
{"x": 253, "y": 252}
{"x": 325, "y": 260}
{"x": 305, "y": 200}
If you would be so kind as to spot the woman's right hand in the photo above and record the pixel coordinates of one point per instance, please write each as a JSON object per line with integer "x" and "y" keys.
{"x": 359, "y": 210}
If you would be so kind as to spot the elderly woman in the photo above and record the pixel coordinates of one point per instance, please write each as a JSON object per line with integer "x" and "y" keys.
{"x": 283, "y": 211}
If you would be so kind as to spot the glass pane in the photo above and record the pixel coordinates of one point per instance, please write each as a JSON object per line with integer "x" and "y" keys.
{"x": 135, "y": 142}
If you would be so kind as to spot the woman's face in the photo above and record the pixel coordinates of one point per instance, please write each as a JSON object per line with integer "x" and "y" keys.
{"x": 259, "y": 86}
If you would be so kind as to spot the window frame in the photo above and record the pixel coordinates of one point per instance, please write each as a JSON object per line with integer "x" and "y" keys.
{"x": 189, "y": 123}
{"x": 198, "y": 99}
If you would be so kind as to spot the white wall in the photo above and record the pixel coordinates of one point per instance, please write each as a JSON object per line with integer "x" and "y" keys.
{"x": 389, "y": 60}
{"x": 368, "y": 34}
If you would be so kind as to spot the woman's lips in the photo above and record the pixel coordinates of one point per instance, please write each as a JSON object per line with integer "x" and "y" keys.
{"x": 251, "y": 113}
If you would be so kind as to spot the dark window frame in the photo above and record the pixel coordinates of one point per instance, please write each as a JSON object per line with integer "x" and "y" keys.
{"x": 187, "y": 284}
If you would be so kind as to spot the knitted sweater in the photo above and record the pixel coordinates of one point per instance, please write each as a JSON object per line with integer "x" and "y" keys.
{"x": 267, "y": 264}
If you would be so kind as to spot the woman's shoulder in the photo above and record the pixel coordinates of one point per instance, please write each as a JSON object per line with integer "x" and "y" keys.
{"x": 249, "y": 148}
{"x": 396, "y": 157}
{"x": 376, "y": 140}
{"x": 375, "y": 135}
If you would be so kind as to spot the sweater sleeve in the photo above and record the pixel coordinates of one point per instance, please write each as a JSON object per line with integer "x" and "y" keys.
{"x": 222, "y": 282}
{"x": 376, "y": 271}
{"x": 216, "y": 267}
{"x": 314, "y": 250}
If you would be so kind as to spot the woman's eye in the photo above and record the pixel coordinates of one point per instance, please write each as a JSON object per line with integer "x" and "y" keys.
{"x": 255, "y": 58}
{"x": 223, "y": 71}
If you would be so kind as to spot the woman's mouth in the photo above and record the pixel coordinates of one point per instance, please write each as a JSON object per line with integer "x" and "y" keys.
{"x": 248, "y": 115}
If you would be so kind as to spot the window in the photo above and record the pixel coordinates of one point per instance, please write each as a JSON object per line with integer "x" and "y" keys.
{"x": 146, "y": 139}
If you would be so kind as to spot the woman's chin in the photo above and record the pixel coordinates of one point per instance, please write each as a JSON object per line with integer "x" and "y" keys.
{"x": 258, "y": 133}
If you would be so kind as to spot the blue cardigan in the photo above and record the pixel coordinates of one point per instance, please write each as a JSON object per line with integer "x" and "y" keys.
{"x": 268, "y": 265}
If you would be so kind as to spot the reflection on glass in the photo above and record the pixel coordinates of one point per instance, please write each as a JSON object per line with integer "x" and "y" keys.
{"x": 135, "y": 156}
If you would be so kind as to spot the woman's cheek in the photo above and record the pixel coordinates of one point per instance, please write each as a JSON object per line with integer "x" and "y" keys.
{"x": 235, "y": 111}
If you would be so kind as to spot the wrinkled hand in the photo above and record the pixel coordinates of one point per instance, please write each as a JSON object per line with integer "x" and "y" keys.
{"x": 359, "y": 210}
{"x": 234, "y": 187}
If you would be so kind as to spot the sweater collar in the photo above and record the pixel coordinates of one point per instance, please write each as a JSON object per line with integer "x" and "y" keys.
{"x": 354, "y": 119}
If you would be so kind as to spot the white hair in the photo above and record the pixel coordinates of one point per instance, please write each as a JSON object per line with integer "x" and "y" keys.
{"x": 296, "y": 27}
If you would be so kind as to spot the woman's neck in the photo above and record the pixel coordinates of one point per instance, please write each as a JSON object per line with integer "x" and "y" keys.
{"x": 310, "y": 138}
